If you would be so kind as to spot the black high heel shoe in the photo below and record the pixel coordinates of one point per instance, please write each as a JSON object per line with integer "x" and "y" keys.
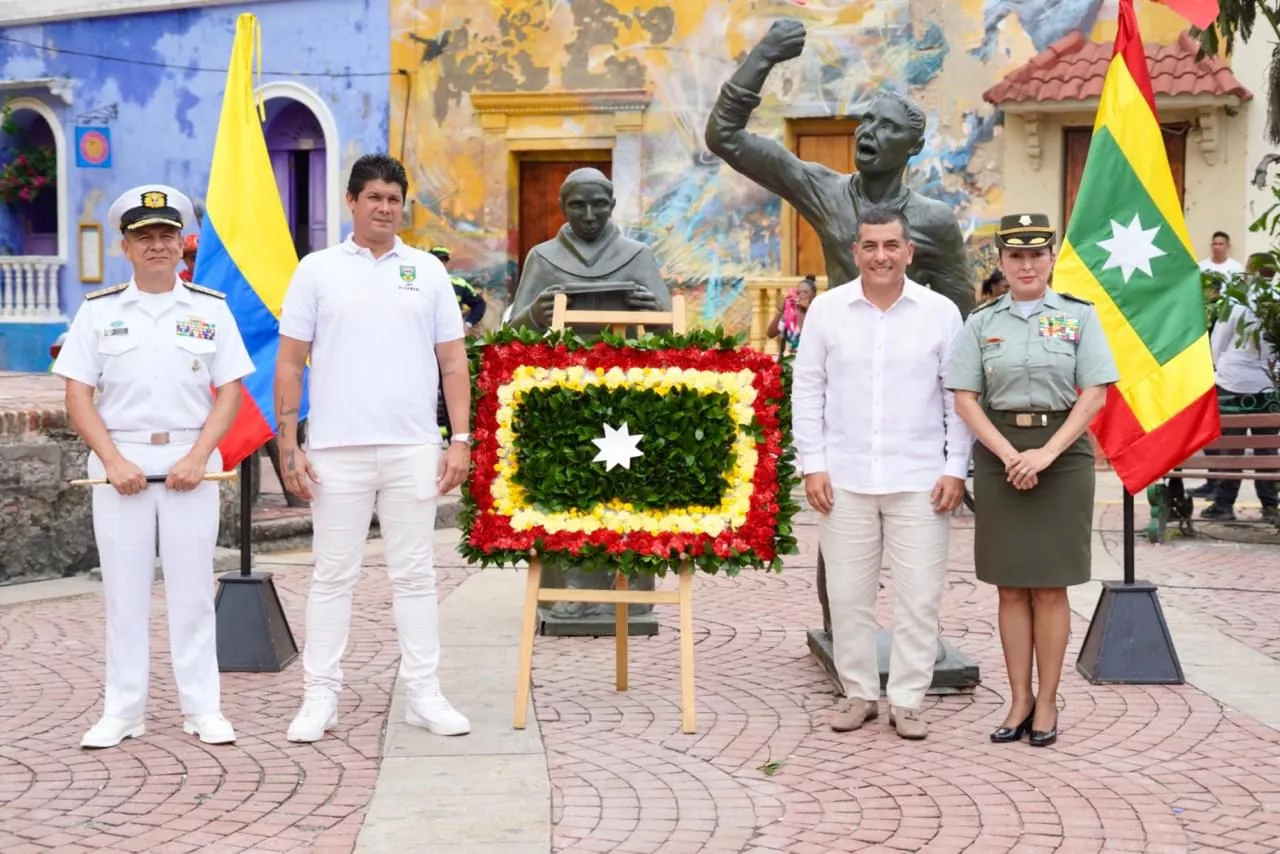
{"x": 1007, "y": 734}
{"x": 1044, "y": 738}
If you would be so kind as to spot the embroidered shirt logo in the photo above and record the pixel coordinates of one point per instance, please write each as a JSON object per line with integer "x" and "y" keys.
{"x": 408, "y": 274}
{"x": 194, "y": 327}
{"x": 1059, "y": 326}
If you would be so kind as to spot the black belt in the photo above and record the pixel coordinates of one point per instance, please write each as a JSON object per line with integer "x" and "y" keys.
{"x": 1016, "y": 418}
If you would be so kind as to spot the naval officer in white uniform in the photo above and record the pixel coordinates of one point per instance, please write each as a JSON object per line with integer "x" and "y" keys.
{"x": 166, "y": 360}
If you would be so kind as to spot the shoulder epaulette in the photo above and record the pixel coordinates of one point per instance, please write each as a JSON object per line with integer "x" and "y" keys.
{"x": 1074, "y": 298}
{"x": 986, "y": 305}
{"x": 201, "y": 289}
{"x": 106, "y": 292}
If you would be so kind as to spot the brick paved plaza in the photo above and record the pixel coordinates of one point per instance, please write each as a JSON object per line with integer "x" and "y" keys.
{"x": 1142, "y": 769}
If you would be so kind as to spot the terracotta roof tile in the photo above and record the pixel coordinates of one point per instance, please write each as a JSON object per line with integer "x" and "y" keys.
{"x": 1073, "y": 69}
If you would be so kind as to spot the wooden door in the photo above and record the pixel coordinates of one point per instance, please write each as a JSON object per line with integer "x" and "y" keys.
{"x": 540, "y": 217}
{"x": 1075, "y": 151}
{"x": 829, "y": 142}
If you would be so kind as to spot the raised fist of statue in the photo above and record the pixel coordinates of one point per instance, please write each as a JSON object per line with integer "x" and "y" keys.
{"x": 785, "y": 40}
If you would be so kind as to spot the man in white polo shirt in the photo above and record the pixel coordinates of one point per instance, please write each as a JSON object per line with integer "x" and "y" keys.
{"x": 375, "y": 317}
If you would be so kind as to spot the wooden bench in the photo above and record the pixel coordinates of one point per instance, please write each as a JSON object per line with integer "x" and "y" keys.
{"x": 1170, "y": 501}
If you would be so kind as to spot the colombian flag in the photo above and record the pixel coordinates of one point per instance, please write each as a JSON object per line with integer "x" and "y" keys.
{"x": 1127, "y": 250}
{"x": 245, "y": 247}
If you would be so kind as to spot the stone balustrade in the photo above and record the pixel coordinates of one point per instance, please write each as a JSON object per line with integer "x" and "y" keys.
{"x": 29, "y": 288}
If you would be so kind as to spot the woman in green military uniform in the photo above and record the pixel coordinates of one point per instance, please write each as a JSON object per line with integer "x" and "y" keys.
{"x": 1015, "y": 371}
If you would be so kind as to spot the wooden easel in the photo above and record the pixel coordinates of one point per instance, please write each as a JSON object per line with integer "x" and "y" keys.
{"x": 620, "y": 596}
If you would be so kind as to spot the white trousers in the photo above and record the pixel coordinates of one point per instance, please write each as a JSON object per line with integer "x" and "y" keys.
{"x": 401, "y": 481}
{"x": 854, "y": 537}
{"x": 125, "y": 528}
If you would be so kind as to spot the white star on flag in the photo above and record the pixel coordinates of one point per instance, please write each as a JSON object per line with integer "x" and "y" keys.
{"x": 1131, "y": 247}
{"x": 618, "y": 447}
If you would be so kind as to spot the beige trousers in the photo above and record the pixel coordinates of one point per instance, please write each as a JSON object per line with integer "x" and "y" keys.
{"x": 859, "y": 532}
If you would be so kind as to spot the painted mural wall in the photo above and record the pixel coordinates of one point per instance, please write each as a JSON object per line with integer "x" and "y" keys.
{"x": 161, "y": 94}
{"x": 710, "y": 227}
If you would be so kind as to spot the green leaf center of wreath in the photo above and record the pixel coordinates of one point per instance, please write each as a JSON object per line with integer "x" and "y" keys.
{"x": 688, "y": 448}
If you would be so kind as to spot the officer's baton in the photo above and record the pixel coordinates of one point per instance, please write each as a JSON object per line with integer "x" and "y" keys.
{"x": 158, "y": 478}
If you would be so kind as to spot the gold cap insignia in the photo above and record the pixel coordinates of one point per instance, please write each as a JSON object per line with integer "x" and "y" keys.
{"x": 154, "y": 199}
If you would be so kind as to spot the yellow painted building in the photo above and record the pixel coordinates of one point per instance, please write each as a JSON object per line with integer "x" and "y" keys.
{"x": 495, "y": 100}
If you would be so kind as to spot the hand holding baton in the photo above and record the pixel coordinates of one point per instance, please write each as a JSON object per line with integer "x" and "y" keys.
{"x": 157, "y": 478}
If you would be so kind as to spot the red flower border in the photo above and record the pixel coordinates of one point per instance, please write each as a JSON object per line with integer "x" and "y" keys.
{"x": 491, "y": 532}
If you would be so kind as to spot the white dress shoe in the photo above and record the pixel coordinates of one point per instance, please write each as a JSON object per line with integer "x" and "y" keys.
{"x": 212, "y": 728}
{"x": 317, "y": 715}
{"x": 432, "y": 711}
{"x": 110, "y": 731}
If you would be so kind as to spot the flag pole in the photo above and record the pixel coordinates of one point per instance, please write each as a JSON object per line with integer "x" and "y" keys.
{"x": 246, "y": 516}
{"x": 1129, "y": 573}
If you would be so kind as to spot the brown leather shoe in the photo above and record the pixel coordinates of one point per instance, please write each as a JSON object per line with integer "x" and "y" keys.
{"x": 908, "y": 723}
{"x": 851, "y": 714}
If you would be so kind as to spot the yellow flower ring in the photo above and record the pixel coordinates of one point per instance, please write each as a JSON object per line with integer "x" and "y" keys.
{"x": 617, "y": 516}
{"x": 749, "y": 527}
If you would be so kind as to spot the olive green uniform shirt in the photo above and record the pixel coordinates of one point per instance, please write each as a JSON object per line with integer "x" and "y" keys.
{"x": 1033, "y": 363}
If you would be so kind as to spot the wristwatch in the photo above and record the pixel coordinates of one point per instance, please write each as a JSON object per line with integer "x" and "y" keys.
{"x": 461, "y": 437}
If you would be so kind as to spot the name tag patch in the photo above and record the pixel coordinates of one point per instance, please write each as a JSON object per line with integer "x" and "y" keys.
{"x": 1059, "y": 326}
{"x": 194, "y": 327}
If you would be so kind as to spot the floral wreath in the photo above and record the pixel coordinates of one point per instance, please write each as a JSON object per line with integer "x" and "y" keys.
{"x": 635, "y": 453}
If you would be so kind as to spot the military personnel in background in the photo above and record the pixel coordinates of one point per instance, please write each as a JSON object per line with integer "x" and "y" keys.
{"x": 1015, "y": 371}
{"x": 470, "y": 302}
{"x": 166, "y": 360}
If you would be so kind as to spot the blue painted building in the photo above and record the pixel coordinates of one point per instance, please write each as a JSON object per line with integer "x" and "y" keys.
{"x": 127, "y": 99}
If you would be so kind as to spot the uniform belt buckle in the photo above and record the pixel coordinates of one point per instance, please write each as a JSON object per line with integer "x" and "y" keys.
{"x": 1031, "y": 419}
{"x": 160, "y": 438}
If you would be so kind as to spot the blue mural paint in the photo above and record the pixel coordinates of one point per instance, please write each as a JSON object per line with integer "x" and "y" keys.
{"x": 1045, "y": 21}
{"x": 166, "y": 117}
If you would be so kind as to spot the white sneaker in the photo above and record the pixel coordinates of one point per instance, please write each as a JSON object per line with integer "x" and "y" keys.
{"x": 109, "y": 731}
{"x": 212, "y": 728}
{"x": 432, "y": 711}
{"x": 317, "y": 715}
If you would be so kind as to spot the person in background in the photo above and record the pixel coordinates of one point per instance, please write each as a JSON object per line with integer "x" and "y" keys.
{"x": 790, "y": 318}
{"x": 1029, "y": 373}
{"x": 994, "y": 286}
{"x": 1219, "y": 260}
{"x": 1240, "y": 367}
{"x": 472, "y": 306}
{"x": 470, "y": 302}
{"x": 189, "y": 247}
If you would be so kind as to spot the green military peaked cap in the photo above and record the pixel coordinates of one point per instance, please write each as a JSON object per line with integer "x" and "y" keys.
{"x": 1024, "y": 231}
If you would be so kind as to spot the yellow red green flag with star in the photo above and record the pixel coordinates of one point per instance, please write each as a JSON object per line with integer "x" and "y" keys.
{"x": 1128, "y": 251}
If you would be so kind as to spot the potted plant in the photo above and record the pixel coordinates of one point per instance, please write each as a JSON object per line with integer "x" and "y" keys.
{"x": 27, "y": 170}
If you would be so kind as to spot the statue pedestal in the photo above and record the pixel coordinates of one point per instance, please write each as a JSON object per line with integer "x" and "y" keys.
{"x": 953, "y": 672}
{"x": 596, "y": 626}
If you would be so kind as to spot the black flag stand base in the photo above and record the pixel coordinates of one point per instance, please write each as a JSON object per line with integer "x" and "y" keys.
{"x": 253, "y": 631}
{"x": 1128, "y": 642}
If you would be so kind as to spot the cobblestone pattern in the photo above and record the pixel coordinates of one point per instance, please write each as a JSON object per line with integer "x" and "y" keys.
{"x": 167, "y": 793}
{"x": 1138, "y": 769}
{"x": 1235, "y": 586}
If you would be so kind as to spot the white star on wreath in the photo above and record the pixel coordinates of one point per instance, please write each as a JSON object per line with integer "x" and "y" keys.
{"x": 1131, "y": 247}
{"x": 618, "y": 447}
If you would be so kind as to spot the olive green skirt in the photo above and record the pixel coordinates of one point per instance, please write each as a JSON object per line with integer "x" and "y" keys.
{"x": 1040, "y": 537}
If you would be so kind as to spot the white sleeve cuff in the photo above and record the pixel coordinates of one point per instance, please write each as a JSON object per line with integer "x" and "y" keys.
{"x": 813, "y": 463}
{"x": 957, "y": 467}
